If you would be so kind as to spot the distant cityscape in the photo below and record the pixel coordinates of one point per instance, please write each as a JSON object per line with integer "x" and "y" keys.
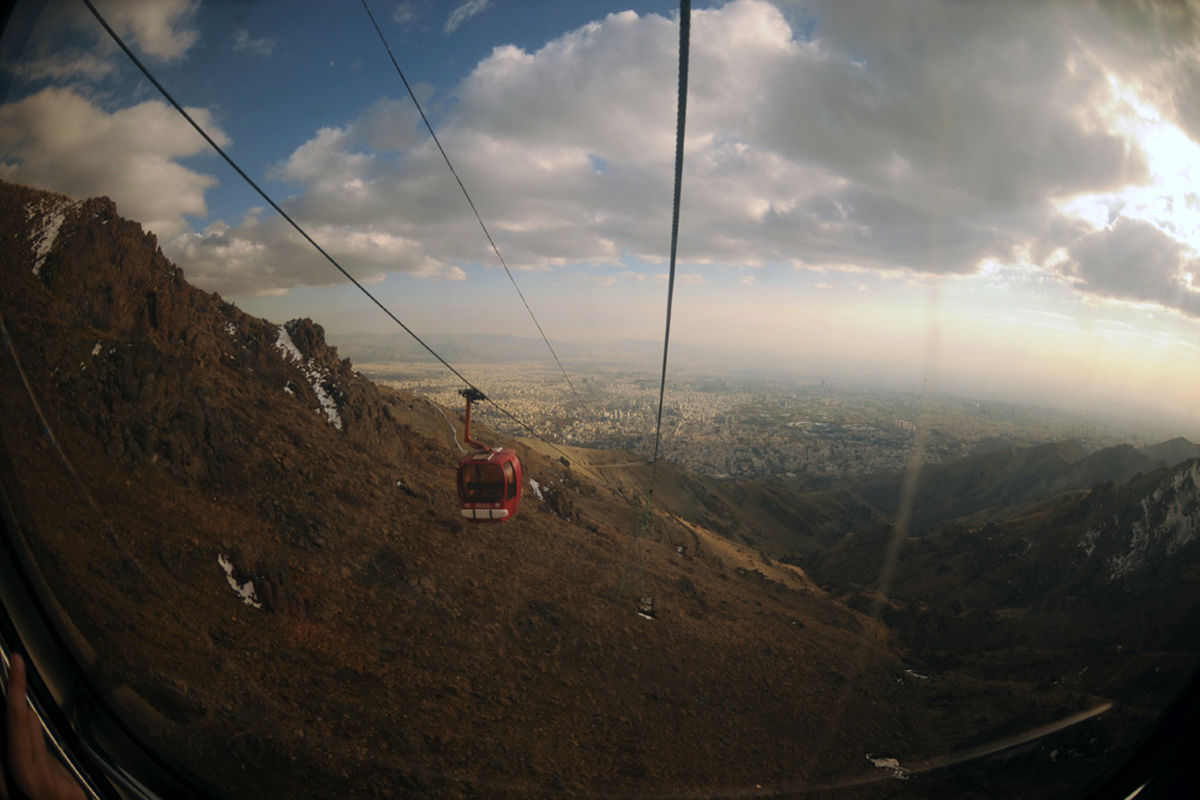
{"x": 746, "y": 427}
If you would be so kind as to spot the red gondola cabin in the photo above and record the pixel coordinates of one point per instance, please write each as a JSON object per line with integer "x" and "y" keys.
{"x": 489, "y": 485}
{"x": 489, "y": 480}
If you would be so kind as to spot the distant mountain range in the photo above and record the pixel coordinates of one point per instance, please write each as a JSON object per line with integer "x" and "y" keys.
{"x": 1001, "y": 481}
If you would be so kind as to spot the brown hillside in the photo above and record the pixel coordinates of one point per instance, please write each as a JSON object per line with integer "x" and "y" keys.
{"x": 393, "y": 649}
{"x": 1093, "y": 592}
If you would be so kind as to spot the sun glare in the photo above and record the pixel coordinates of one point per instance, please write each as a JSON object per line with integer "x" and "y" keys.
{"x": 1168, "y": 198}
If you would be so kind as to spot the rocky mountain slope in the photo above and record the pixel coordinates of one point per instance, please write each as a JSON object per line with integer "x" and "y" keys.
{"x": 1093, "y": 592}
{"x": 262, "y": 559}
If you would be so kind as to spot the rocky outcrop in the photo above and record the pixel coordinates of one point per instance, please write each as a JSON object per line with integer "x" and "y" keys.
{"x": 154, "y": 367}
{"x": 1153, "y": 533}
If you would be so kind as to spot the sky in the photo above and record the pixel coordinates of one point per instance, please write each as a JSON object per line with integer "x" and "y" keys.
{"x": 995, "y": 198}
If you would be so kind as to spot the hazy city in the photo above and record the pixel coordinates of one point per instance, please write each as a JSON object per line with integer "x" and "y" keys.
{"x": 807, "y": 430}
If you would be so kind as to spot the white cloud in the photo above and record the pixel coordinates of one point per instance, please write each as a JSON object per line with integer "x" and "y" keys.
{"x": 405, "y": 13}
{"x": 159, "y": 28}
{"x": 58, "y": 140}
{"x": 67, "y": 45}
{"x": 464, "y": 12}
{"x": 814, "y": 139}
{"x": 243, "y": 43}
{"x": 264, "y": 254}
{"x": 802, "y": 150}
{"x": 65, "y": 66}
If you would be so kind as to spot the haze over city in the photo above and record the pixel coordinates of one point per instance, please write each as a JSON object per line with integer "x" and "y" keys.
{"x": 991, "y": 198}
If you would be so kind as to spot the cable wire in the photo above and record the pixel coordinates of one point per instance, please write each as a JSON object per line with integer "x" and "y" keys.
{"x": 685, "y": 24}
{"x": 466, "y": 194}
{"x": 646, "y": 602}
{"x": 229, "y": 160}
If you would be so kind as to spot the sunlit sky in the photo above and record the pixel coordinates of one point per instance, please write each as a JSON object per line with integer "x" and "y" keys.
{"x": 993, "y": 197}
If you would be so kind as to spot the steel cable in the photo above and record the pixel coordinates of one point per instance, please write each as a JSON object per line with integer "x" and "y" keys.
{"x": 466, "y": 194}
{"x": 262, "y": 193}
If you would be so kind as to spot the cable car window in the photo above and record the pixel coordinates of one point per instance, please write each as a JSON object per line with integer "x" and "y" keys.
{"x": 483, "y": 483}
{"x": 510, "y": 478}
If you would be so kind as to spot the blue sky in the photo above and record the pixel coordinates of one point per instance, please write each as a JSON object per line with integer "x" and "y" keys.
{"x": 1007, "y": 187}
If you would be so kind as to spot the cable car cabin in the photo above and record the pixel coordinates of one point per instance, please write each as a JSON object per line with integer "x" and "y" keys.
{"x": 489, "y": 485}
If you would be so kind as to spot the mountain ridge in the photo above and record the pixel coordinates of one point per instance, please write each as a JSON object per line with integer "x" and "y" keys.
{"x": 1012, "y": 477}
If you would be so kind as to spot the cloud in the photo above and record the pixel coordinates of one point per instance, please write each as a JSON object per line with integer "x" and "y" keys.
{"x": 405, "y": 13}
{"x": 259, "y": 47}
{"x": 265, "y": 255}
{"x": 943, "y": 160}
{"x": 824, "y": 150}
{"x": 815, "y": 138}
{"x": 464, "y": 12}
{"x": 353, "y": 205}
{"x": 64, "y": 43}
{"x": 829, "y": 150}
{"x": 57, "y": 139}
{"x": 64, "y": 66}
{"x": 1159, "y": 43}
{"x": 1134, "y": 260}
{"x": 159, "y": 28}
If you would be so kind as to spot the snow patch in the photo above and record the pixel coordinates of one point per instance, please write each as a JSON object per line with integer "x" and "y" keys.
{"x": 96, "y": 350}
{"x": 243, "y": 590}
{"x": 318, "y": 377}
{"x": 285, "y": 345}
{"x": 52, "y": 214}
{"x": 892, "y": 764}
{"x": 1168, "y": 522}
{"x": 537, "y": 489}
{"x": 231, "y": 329}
